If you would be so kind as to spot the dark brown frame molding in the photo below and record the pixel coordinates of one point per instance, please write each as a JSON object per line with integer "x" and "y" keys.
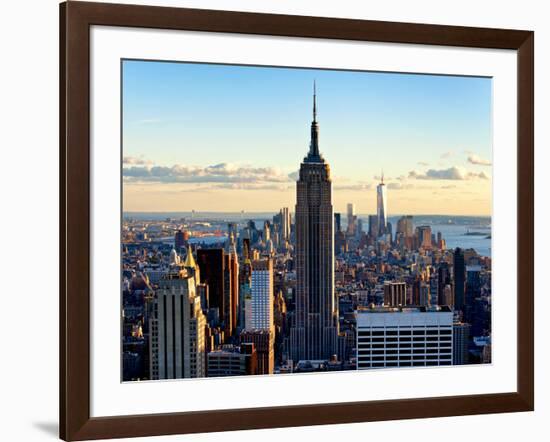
{"x": 75, "y": 21}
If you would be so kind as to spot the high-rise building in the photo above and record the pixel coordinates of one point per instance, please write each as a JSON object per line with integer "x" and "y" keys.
{"x": 285, "y": 224}
{"x": 420, "y": 293}
{"x": 395, "y": 294}
{"x": 267, "y": 231}
{"x": 443, "y": 280}
{"x": 246, "y": 249}
{"x": 461, "y": 337}
{"x": 181, "y": 239}
{"x": 315, "y": 329}
{"x": 259, "y": 319}
{"x": 448, "y": 295}
{"x": 405, "y": 226}
{"x": 404, "y": 337}
{"x": 245, "y": 295}
{"x": 232, "y": 231}
{"x": 263, "y": 341}
{"x": 261, "y": 290}
{"x": 232, "y": 361}
{"x": 373, "y": 226}
{"x": 381, "y": 208}
{"x": 177, "y": 347}
{"x": 472, "y": 292}
{"x": 459, "y": 275}
{"x": 351, "y": 218}
{"x": 212, "y": 267}
{"x": 358, "y": 227}
{"x": 424, "y": 237}
{"x": 337, "y": 222}
{"x": 231, "y": 289}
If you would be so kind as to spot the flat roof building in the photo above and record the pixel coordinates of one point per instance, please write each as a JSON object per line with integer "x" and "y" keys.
{"x": 404, "y": 337}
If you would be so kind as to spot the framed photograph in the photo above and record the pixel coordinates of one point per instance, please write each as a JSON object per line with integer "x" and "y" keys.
{"x": 273, "y": 221}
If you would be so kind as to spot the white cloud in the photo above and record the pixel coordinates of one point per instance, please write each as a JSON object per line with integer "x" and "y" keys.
{"x": 216, "y": 173}
{"x": 452, "y": 173}
{"x": 399, "y": 186}
{"x": 252, "y": 186}
{"x": 474, "y": 159}
{"x": 136, "y": 161}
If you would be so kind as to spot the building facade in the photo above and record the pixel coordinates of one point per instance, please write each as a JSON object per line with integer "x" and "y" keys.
{"x": 459, "y": 278}
{"x": 351, "y": 219}
{"x": 285, "y": 224}
{"x": 261, "y": 291}
{"x": 404, "y": 337}
{"x": 461, "y": 337}
{"x": 232, "y": 361}
{"x": 212, "y": 268}
{"x": 263, "y": 341}
{"x": 395, "y": 294}
{"x": 177, "y": 330}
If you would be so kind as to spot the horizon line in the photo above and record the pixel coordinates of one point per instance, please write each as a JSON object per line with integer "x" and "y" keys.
{"x": 268, "y": 211}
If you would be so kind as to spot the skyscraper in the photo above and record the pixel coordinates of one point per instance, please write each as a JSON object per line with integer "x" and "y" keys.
{"x": 231, "y": 289}
{"x": 461, "y": 336}
{"x": 212, "y": 264}
{"x": 263, "y": 341}
{"x": 178, "y": 348}
{"x": 459, "y": 275}
{"x": 351, "y": 219}
{"x": 258, "y": 313}
{"x": 443, "y": 280}
{"x": 471, "y": 292}
{"x": 373, "y": 226}
{"x": 285, "y": 224}
{"x": 424, "y": 237}
{"x": 315, "y": 330}
{"x": 337, "y": 222}
{"x": 261, "y": 295}
{"x": 381, "y": 210}
{"x": 404, "y": 232}
{"x": 405, "y": 226}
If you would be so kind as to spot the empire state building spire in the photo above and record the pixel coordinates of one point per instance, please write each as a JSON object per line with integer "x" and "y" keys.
{"x": 313, "y": 155}
{"x": 314, "y": 102}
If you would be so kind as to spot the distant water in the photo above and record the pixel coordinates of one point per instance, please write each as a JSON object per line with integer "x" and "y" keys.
{"x": 214, "y": 216}
{"x": 453, "y": 228}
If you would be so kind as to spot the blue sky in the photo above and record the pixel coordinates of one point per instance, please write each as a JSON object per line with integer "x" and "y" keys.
{"x": 187, "y": 118}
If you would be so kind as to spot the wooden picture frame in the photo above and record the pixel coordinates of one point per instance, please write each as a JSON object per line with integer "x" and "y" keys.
{"x": 75, "y": 21}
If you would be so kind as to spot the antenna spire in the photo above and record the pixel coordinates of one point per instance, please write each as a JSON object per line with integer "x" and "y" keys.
{"x": 314, "y": 101}
{"x": 313, "y": 155}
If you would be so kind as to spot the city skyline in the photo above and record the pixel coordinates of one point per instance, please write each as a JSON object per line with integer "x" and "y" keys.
{"x": 176, "y": 172}
{"x": 297, "y": 292}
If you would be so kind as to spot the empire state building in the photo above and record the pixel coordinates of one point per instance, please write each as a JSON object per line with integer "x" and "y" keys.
{"x": 315, "y": 329}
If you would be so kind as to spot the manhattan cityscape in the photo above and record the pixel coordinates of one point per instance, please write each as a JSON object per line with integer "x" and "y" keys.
{"x": 325, "y": 282}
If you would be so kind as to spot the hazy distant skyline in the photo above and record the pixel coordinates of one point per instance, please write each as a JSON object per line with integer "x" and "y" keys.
{"x": 231, "y": 138}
